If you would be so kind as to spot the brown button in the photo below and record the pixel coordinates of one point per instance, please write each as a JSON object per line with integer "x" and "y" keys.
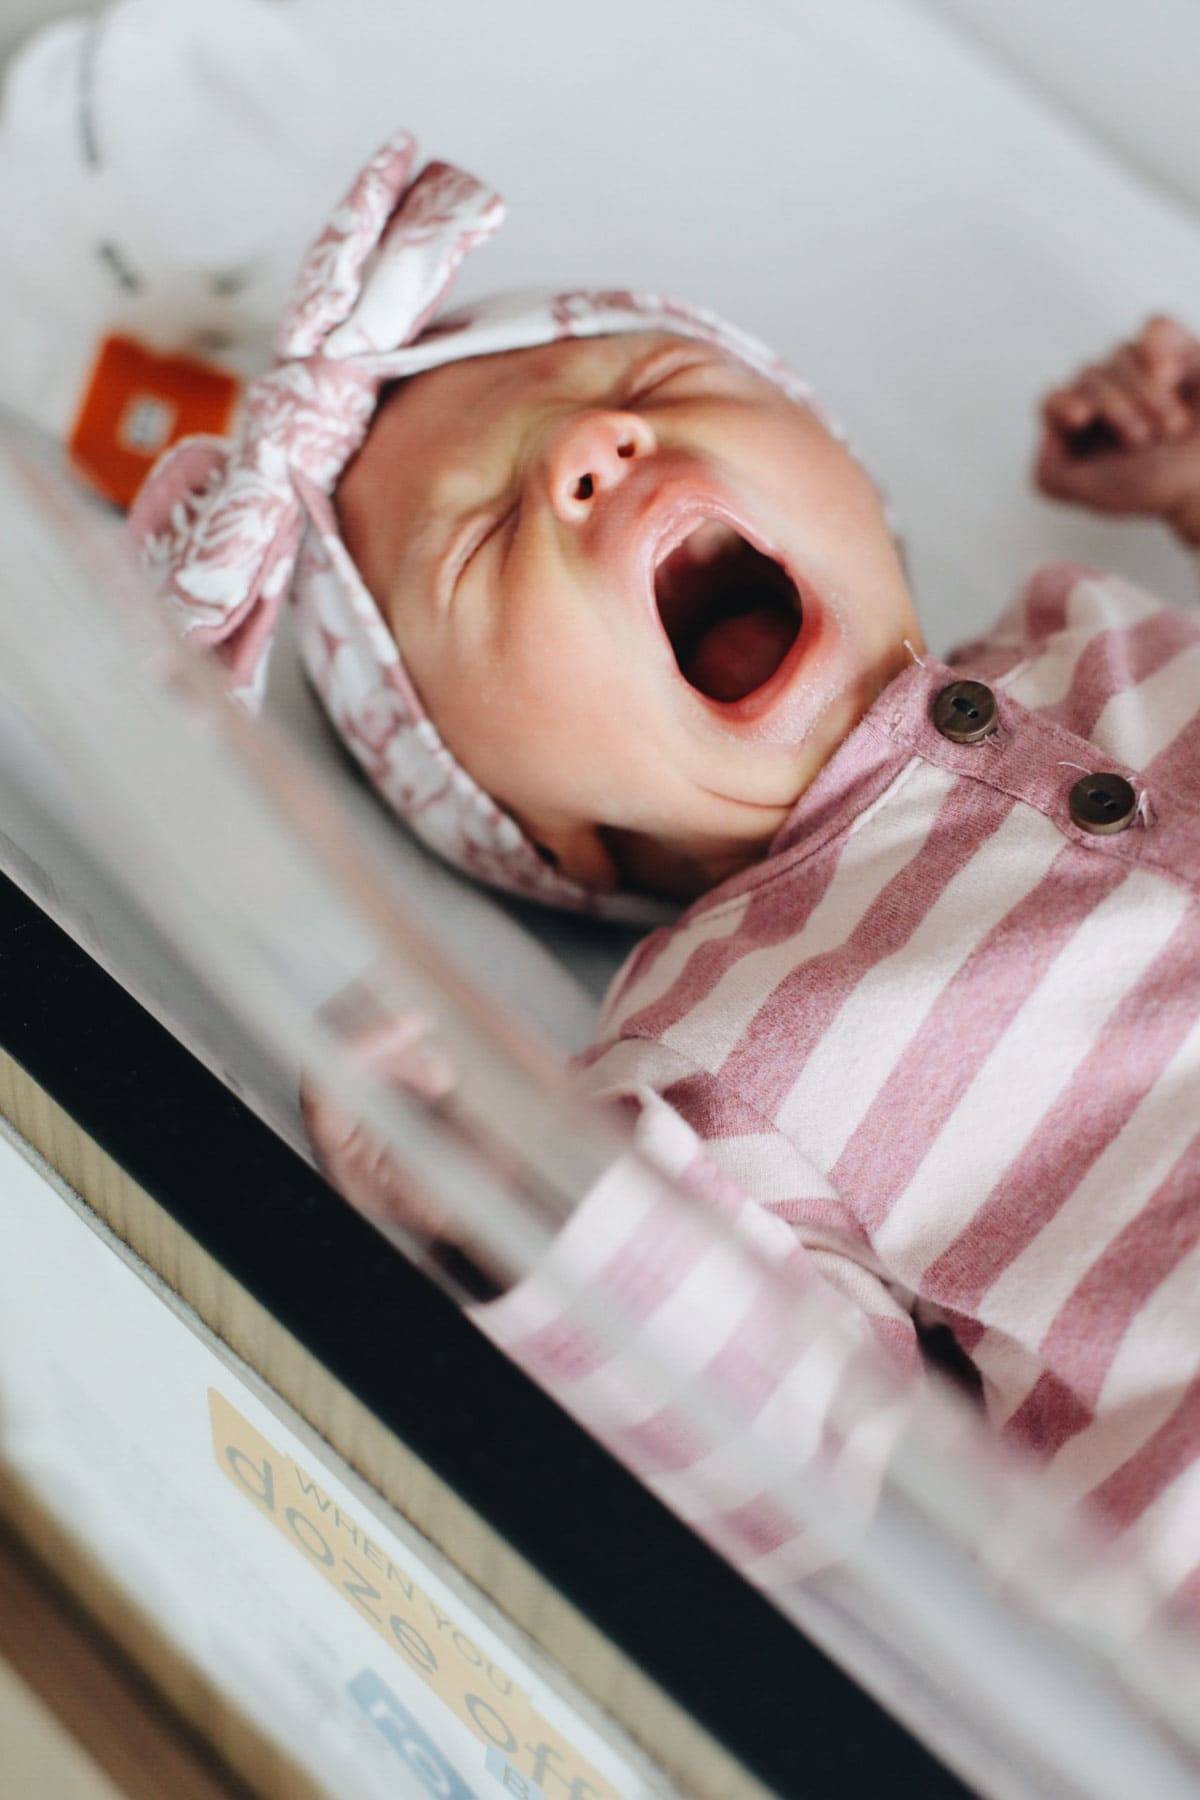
{"x": 1102, "y": 803}
{"x": 965, "y": 711}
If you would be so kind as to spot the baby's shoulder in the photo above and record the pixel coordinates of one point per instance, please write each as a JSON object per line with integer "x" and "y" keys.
{"x": 1057, "y": 613}
{"x": 1063, "y": 597}
{"x": 1098, "y": 655}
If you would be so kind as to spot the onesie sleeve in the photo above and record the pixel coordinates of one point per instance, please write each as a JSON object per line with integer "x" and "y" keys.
{"x": 646, "y": 1313}
{"x": 746, "y": 1148}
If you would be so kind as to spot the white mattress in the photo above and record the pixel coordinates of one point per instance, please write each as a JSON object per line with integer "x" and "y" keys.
{"x": 858, "y": 185}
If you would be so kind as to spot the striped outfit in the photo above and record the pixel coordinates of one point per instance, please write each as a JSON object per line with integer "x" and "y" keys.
{"x": 941, "y": 1047}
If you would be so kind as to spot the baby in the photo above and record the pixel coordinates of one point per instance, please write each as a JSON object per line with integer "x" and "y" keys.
{"x": 612, "y": 615}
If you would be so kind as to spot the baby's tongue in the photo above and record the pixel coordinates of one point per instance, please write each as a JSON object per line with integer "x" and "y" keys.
{"x": 736, "y": 655}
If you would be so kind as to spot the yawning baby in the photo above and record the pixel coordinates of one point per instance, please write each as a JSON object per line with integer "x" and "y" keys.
{"x": 612, "y": 616}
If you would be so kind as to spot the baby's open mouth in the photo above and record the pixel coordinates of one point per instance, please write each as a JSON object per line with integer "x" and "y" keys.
{"x": 730, "y": 612}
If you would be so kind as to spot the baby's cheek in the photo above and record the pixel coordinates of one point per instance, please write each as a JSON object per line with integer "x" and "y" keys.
{"x": 572, "y": 725}
{"x": 844, "y": 527}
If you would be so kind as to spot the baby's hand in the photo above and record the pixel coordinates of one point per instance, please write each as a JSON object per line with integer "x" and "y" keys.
{"x": 1124, "y": 435}
{"x": 350, "y": 1157}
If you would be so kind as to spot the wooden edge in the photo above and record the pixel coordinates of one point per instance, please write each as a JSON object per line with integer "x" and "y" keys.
{"x": 688, "y": 1755}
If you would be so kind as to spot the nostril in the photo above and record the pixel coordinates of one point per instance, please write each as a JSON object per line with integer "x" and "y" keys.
{"x": 584, "y": 488}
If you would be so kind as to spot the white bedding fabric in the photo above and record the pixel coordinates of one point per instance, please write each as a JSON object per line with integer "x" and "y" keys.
{"x": 1127, "y": 73}
{"x": 859, "y": 186}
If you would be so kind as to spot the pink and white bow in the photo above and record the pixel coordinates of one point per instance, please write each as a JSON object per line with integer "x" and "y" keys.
{"x": 231, "y": 528}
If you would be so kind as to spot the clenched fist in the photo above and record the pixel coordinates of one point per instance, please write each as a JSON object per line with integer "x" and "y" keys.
{"x": 1124, "y": 435}
{"x": 351, "y": 1157}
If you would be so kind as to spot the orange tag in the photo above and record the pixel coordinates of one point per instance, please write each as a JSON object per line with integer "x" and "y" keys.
{"x": 136, "y": 405}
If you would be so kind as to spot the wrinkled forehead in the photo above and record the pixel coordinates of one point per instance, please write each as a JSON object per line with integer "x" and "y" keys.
{"x": 513, "y": 373}
{"x": 456, "y": 412}
{"x": 455, "y": 402}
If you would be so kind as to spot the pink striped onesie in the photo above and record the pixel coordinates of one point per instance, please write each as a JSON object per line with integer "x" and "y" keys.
{"x": 942, "y": 1044}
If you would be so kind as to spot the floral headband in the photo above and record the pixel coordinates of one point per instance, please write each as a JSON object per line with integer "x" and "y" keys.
{"x": 231, "y": 528}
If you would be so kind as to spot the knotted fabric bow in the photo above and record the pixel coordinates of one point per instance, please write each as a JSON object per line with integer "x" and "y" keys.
{"x": 231, "y": 528}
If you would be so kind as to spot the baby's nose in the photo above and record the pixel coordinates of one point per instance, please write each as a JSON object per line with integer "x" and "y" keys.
{"x": 591, "y": 453}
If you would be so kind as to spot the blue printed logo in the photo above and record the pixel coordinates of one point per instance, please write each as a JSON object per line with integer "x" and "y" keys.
{"x": 393, "y": 1721}
{"x": 511, "y": 1778}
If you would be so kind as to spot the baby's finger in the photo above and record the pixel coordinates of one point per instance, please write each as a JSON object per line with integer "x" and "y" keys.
{"x": 330, "y": 1127}
{"x": 1158, "y": 398}
{"x": 1168, "y": 349}
{"x": 400, "y": 1050}
{"x": 1159, "y": 406}
{"x": 1115, "y": 407}
{"x": 1068, "y": 409}
{"x": 364, "y": 1170}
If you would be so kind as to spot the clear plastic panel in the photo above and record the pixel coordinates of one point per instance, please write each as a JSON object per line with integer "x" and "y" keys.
{"x": 928, "y": 1561}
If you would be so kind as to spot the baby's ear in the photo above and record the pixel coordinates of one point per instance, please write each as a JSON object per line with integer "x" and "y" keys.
{"x": 576, "y": 851}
